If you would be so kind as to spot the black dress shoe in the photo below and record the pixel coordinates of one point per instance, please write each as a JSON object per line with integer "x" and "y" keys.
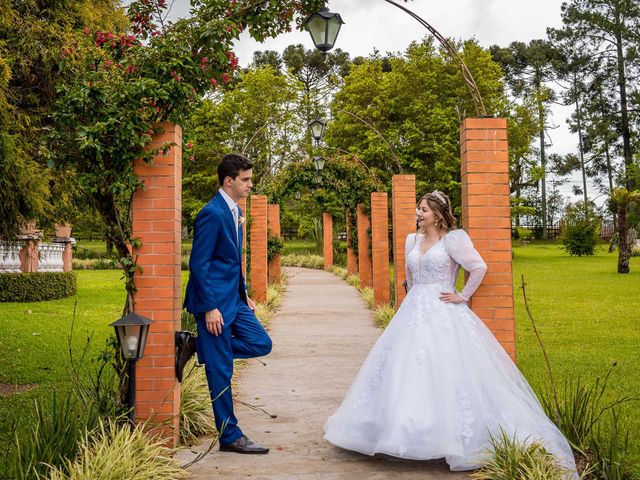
{"x": 186, "y": 348}
{"x": 244, "y": 445}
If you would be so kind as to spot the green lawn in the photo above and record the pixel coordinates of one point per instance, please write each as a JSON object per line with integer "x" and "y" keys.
{"x": 588, "y": 316}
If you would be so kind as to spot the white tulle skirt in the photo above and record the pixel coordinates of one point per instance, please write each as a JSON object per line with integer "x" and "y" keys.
{"x": 437, "y": 384}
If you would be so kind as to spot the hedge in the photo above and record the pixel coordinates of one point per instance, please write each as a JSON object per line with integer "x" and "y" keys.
{"x": 35, "y": 287}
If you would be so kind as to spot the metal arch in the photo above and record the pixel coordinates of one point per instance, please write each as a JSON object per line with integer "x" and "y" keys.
{"x": 466, "y": 74}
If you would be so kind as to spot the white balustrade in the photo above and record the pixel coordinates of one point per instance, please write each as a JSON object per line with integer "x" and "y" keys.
{"x": 9, "y": 257}
{"x": 51, "y": 257}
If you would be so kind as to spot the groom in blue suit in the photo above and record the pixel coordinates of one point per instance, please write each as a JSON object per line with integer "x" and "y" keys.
{"x": 216, "y": 295}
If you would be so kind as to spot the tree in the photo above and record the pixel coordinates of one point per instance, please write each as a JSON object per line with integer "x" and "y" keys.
{"x": 608, "y": 32}
{"x": 28, "y": 77}
{"x": 257, "y": 115}
{"x": 416, "y": 102}
{"x": 119, "y": 86}
{"x": 527, "y": 68}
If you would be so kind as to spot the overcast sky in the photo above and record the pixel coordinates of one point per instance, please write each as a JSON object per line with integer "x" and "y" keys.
{"x": 377, "y": 24}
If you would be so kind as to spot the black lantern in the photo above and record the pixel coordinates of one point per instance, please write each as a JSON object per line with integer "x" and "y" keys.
{"x": 317, "y": 128}
{"x": 131, "y": 331}
{"x": 319, "y": 163}
{"x": 324, "y": 27}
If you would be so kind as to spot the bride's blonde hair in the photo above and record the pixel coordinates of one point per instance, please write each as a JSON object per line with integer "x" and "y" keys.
{"x": 440, "y": 205}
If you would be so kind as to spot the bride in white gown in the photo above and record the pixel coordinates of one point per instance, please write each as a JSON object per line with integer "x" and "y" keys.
{"x": 437, "y": 383}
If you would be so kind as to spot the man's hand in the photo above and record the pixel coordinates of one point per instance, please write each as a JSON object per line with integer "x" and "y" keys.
{"x": 448, "y": 297}
{"x": 251, "y": 304}
{"x": 214, "y": 322}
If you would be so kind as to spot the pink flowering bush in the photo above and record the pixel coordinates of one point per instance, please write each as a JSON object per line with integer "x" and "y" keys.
{"x": 117, "y": 87}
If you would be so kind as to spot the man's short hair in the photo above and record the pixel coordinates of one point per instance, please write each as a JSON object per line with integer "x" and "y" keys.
{"x": 231, "y": 165}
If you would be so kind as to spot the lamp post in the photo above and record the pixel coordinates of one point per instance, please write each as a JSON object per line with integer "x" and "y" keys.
{"x": 132, "y": 330}
{"x": 317, "y": 126}
{"x": 325, "y": 21}
{"x": 324, "y": 27}
{"x": 318, "y": 162}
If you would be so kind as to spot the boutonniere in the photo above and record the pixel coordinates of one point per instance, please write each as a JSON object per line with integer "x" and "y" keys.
{"x": 241, "y": 220}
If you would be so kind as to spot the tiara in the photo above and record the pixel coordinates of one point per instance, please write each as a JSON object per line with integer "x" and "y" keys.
{"x": 440, "y": 196}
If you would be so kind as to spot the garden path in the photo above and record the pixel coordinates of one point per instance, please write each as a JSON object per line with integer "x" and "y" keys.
{"x": 321, "y": 335}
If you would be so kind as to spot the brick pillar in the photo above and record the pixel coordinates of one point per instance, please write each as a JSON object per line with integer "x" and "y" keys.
{"x": 380, "y": 247}
{"x": 403, "y": 212}
{"x": 486, "y": 217}
{"x": 30, "y": 254}
{"x": 258, "y": 243}
{"x": 352, "y": 259}
{"x": 67, "y": 255}
{"x": 243, "y": 207}
{"x": 273, "y": 226}
{"x": 327, "y": 233}
{"x": 156, "y": 213}
{"x": 364, "y": 257}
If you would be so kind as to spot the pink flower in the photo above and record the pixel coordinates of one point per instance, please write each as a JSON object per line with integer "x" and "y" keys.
{"x": 189, "y": 145}
{"x": 226, "y": 78}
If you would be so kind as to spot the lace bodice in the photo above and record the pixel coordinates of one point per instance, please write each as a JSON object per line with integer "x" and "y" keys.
{"x": 441, "y": 263}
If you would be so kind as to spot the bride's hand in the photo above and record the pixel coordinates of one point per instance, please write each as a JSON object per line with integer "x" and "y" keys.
{"x": 448, "y": 297}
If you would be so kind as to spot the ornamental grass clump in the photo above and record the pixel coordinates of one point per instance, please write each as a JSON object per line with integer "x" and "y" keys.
{"x": 383, "y": 315}
{"x": 116, "y": 452}
{"x": 305, "y": 260}
{"x": 196, "y": 416}
{"x": 49, "y": 436}
{"x": 511, "y": 459}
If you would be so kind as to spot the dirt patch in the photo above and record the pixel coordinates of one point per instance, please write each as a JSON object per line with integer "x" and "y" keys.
{"x": 10, "y": 389}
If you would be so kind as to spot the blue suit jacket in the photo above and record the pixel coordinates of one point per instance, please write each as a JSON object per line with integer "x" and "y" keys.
{"x": 215, "y": 279}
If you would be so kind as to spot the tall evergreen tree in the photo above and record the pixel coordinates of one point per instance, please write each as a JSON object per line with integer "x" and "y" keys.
{"x": 527, "y": 68}
{"x": 608, "y": 32}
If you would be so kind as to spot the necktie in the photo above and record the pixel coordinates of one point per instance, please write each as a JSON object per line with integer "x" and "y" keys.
{"x": 234, "y": 210}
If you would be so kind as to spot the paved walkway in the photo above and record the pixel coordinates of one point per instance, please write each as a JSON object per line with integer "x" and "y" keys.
{"x": 321, "y": 335}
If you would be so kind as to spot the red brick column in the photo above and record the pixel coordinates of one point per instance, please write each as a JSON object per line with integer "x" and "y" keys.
{"x": 403, "y": 212}
{"x": 273, "y": 226}
{"x": 327, "y": 233}
{"x": 364, "y": 258}
{"x": 352, "y": 259}
{"x": 156, "y": 213}
{"x": 380, "y": 247}
{"x": 67, "y": 257}
{"x": 486, "y": 217}
{"x": 243, "y": 207}
{"x": 258, "y": 242}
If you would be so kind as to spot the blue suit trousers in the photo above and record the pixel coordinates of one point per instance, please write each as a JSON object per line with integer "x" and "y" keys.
{"x": 242, "y": 337}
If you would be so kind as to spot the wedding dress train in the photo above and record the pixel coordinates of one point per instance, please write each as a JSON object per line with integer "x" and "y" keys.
{"x": 437, "y": 383}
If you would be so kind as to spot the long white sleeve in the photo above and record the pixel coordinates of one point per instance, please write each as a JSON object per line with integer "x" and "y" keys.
{"x": 408, "y": 246}
{"x": 459, "y": 246}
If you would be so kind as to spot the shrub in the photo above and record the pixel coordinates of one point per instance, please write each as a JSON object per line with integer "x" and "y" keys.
{"x": 188, "y": 322}
{"x": 82, "y": 253}
{"x": 117, "y": 452}
{"x": 36, "y": 286}
{"x": 274, "y": 247}
{"x": 306, "y": 260}
{"x": 580, "y": 231}
{"x": 522, "y": 233}
{"x": 94, "y": 264}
